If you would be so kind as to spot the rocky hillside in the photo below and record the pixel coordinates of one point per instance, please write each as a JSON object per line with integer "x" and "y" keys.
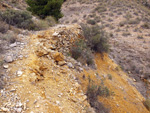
{"x": 128, "y": 23}
{"x": 46, "y": 80}
{"x": 40, "y": 74}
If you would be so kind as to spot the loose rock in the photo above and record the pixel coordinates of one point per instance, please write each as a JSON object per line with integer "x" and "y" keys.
{"x": 8, "y": 59}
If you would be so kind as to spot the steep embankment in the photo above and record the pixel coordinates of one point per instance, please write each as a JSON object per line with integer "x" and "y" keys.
{"x": 47, "y": 80}
{"x": 128, "y": 24}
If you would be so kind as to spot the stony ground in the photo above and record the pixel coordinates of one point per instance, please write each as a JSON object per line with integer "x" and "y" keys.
{"x": 38, "y": 75}
{"x": 46, "y": 79}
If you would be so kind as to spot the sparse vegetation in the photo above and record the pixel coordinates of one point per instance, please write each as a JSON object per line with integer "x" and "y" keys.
{"x": 146, "y": 26}
{"x": 126, "y": 34}
{"x": 3, "y": 27}
{"x": 97, "y": 39}
{"x": 10, "y": 37}
{"x": 20, "y": 19}
{"x": 100, "y": 9}
{"x": 109, "y": 76}
{"x": 93, "y": 91}
{"x": 81, "y": 52}
{"x": 147, "y": 104}
{"x": 92, "y": 22}
{"x": 140, "y": 37}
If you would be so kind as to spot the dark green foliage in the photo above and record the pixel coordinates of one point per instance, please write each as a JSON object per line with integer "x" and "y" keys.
{"x": 20, "y": 19}
{"x": 97, "y": 39}
{"x": 44, "y": 8}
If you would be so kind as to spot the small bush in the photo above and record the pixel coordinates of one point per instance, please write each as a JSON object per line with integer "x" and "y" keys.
{"x": 93, "y": 91}
{"x": 133, "y": 21}
{"x": 122, "y": 23}
{"x": 97, "y": 39}
{"x": 10, "y": 37}
{"x": 126, "y": 34}
{"x": 147, "y": 104}
{"x": 140, "y": 37}
{"x": 3, "y": 27}
{"x": 20, "y": 19}
{"x": 41, "y": 24}
{"x": 92, "y": 22}
{"x": 51, "y": 20}
{"x": 146, "y": 26}
{"x": 100, "y": 9}
{"x": 1, "y": 48}
{"x": 109, "y": 77}
{"x": 76, "y": 52}
{"x": 81, "y": 52}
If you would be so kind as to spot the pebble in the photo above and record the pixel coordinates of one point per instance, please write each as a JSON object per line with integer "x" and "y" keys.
{"x": 5, "y": 66}
{"x": 13, "y": 45}
{"x": 8, "y": 59}
{"x": 57, "y": 102}
{"x": 18, "y": 110}
{"x": 12, "y": 90}
{"x": 70, "y": 65}
{"x": 55, "y": 34}
{"x": 19, "y": 73}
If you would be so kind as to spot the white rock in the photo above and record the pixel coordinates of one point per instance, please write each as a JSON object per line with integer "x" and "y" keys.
{"x": 55, "y": 34}
{"x": 57, "y": 102}
{"x": 5, "y": 66}
{"x": 4, "y": 109}
{"x": 18, "y": 110}
{"x": 19, "y": 73}
{"x": 12, "y": 90}
{"x": 8, "y": 59}
{"x": 13, "y": 45}
{"x": 70, "y": 65}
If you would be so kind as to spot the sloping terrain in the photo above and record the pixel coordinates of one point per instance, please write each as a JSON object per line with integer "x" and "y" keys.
{"x": 129, "y": 26}
{"x": 38, "y": 74}
{"x": 47, "y": 80}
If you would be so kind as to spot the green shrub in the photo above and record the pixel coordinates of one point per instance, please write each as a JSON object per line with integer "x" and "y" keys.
{"x": 93, "y": 91}
{"x": 76, "y": 52}
{"x": 9, "y": 37}
{"x": 3, "y": 27}
{"x": 122, "y": 23}
{"x": 92, "y": 22}
{"x": 126, "y": 34}
{"x": 41, "y": 24}
{"x": 133, "y": 21}
{"x": 147, "y": 104}
{"x": 145, "y": 26}
{"x": 140, "y": 37}
{"x": 97, "y": 39}
{"x": 100, "y": 9}
{"x": 44, "y": 8}
{"x": 109, "y": 76}
{"x": 51, "y": 20}
{"x": 81, "y": 52}
{"x": 20, "y": 19}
